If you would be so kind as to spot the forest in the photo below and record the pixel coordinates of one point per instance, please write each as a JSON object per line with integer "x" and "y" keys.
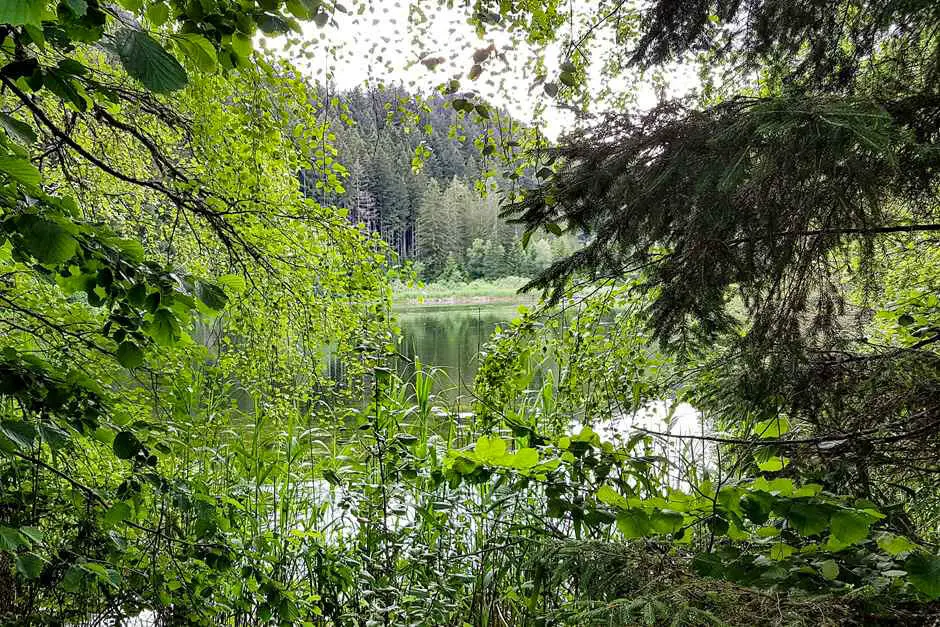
{"x": 716, "y": 403}
{"x": 420, "y": 190}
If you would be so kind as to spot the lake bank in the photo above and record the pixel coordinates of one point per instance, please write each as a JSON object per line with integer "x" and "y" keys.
{"x": 503, "y": 291}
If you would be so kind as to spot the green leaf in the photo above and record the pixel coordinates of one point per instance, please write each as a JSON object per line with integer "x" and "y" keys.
{"x": 78, "y": 7}
{"x": 568, "y": 78}
{"x": 807, "y": 518}
{"x": 130, "y": 355}
{"x": 29, "y": 565}
{"x": 20, "y": 432}
{"x": 126, "y": 445}
{"x": 118, "y": 513}
{"x": 20, "y": 169}
{"x": 17, "y": 130}
{"x": 147, "y": 61}
{"x": 11, "y": 539}
{"x": 773, "y": 464}
{"x": 665, "y": 521}
{"x": 21, "y": 12}
{"x": 158, "y": 13}
{"x": 894, "y": 545}
{"x": 923, "y": 571}
{"x": 47, "y": 241}
{"x": 490, "y": 448}
{"x": 212, "y": 295}
{"x": 234, "y": 282}
{"x": 829, "y": 569}
{"x": 609, "y": 496}
{"x": 164, "y": 328}
{"x": 773, "y": 428}
{"x": 524, "y": 458}
{"x": 781, "y": 551}
{"x": 199, "y": 50}
{"x": 849, "y": 527}
{"x": 32, "y": 533}
{"x": 633, "y": 523}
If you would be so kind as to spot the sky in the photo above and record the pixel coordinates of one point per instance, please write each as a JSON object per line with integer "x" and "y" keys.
{"x": 387, "y": 41}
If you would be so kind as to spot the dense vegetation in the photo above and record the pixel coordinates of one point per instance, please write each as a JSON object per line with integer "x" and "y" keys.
{"x": 725, "y": 413}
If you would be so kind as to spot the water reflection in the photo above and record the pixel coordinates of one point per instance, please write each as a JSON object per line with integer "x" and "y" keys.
{"x": 448, "y": 339}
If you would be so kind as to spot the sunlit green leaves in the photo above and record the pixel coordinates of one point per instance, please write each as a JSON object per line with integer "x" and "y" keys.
{"x": 894, "y": 545}
{"x": 147, "y": 61}
{"x": 20, "y": 169}
{"x": 198, "y": 50}
{"x": 633, "y": 523}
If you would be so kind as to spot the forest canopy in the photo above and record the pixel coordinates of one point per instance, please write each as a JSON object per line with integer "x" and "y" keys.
{"x": 724, "y": 411}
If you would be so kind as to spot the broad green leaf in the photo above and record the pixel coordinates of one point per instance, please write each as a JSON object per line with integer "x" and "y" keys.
{"x": 32, "y": 533}
{"x": 756, "y": 506}
{"x": 781, "y": 551}
{"x": 126, "y": 445}
{"x": 199, "y": 50}
{"x": 129, "y": 354}
{"x": 21, "y": 12}
{"x": 665, "y": 521}
{"x": 29, "y": 565}
{"x": 20, "y": 432}
{"x": 18, "y": 130}
{"x": 147, "y": 61}
{"x": 773, "y": 428}
{"x": 234, "y": 282}
{"x": 490, "y": 448}
{"x": 773, "y": 464}
{"x": 894, "y": 545}
{"x": 633, "y": 523}
{"x": 164, "y": 328}
{"x": 810, "y": 489}
{"x": 78, "y": 7}
{"x": 20, "y": 169}
{"x": 11, "y": 539}
{"x": 524, "y": 458}
{"x": 923, "y": 571}
{"x": 158, "y": 13}
{"x": 807, "y": 518}
{"x": 609, "y": 496}
{"x": 46, "y": 240}
{"x": 849, "y": 527}
{"x": 768, "y": 532}
{"x": 829, "y": 569}
{"x": 118, "y": 513}
{"x": 212, "y": 295}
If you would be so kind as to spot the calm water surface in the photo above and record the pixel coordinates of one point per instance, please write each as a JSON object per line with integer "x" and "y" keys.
{"x": 448, "y": 339}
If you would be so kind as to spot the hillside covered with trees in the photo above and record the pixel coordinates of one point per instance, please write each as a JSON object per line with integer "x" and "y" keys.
{"x": 415, "y": 177}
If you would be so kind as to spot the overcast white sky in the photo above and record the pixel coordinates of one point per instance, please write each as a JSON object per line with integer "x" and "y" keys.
{"x": 386, "y": 42}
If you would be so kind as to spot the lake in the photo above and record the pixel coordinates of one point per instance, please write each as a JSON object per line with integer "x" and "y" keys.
{"x": 448, "y": 338}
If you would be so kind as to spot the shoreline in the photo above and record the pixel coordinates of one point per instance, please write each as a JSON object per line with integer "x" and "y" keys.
{"x": 412, "y": 302}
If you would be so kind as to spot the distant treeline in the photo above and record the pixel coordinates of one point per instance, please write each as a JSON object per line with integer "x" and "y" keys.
{"x": 431, "y": 215}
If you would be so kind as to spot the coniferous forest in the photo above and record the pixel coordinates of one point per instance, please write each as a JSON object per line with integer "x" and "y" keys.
{"x": 715, "y": 402}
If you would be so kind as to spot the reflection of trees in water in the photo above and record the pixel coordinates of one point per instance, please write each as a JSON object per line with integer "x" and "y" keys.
{"x": 449, "y": 340}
